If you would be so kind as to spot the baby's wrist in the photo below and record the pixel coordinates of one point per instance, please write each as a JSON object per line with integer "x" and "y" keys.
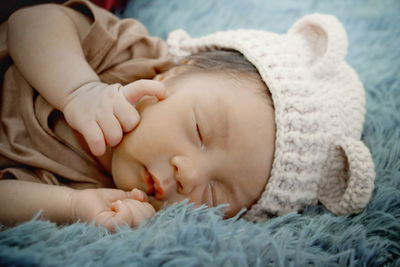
{"x": 78, "y": 90}
{"x": 70, "y": 211}
{"x": 57, "y": 208}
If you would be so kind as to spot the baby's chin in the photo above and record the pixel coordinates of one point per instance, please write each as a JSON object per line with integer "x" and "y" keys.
{"x": 157, "y": 204}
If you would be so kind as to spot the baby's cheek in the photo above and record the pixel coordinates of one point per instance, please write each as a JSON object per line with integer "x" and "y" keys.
{"x": 123, "y": 175}
{"x": 144, "y": 103}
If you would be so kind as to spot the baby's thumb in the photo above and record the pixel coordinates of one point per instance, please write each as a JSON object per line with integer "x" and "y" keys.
{"x": 139, "y": 195}
{"x": 133, "y": 92}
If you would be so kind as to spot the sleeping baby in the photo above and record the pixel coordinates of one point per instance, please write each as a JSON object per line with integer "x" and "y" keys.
{"x": 101, "y": 122}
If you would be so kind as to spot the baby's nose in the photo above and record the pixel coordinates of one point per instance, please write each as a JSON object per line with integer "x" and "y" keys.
{"x": 189, "y": 173}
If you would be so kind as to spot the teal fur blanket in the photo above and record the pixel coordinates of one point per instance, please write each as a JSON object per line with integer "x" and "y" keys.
{"x": 183, "y": 236}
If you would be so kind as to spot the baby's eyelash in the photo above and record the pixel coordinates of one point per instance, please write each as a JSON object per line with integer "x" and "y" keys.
{"x": 211, "y": 194}
{"x": 199, "y": 132}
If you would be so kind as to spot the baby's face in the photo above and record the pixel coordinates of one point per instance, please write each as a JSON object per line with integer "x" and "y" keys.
{"x": 210, "y": 141}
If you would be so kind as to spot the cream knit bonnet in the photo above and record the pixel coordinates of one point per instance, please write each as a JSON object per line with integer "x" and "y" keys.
{"x": 319, "y": 106}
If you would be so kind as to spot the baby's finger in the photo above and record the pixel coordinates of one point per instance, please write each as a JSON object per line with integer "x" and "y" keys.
{"x": 126, "y": 114}
{"x": 122, "y": 213}
{"x": 94, "y": 138}
{"x": 106, "y": 219}
{"x": 146, "y": 211}
{"x": 136, "y": 90}
{"x": 111, "y": 128}
{"x": 139, "y": 195}
{"x": 132, "y": 212}
{"x": 112, "y": 194}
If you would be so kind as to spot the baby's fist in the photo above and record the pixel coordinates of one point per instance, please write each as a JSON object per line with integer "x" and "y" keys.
{"x": 110, "y": 207}
{"x": 131, "y": 212}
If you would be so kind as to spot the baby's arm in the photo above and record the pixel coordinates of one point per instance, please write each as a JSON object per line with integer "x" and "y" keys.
{"x": 21, "y": 200}
{"x": 45, "y": 44}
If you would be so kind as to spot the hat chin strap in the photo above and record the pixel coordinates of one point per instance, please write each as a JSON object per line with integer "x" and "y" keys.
{"x": 349, "y": 177}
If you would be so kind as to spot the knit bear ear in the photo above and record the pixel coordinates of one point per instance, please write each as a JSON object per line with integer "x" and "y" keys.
{"x": 348, "y": 178}
{"x": 325, "y": 41}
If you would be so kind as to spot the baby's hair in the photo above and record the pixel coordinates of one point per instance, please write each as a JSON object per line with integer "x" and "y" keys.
{"x": 230, "y": 62}
{"x": 221, "y": 60}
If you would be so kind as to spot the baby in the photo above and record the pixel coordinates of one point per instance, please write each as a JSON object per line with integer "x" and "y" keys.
{"x": 252, "y": 119}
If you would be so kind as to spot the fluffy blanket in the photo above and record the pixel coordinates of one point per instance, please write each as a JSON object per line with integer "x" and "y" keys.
{"x": 183, "y": 236}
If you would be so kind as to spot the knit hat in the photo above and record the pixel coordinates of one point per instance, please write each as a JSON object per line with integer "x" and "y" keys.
{"x": 319, "y": 105}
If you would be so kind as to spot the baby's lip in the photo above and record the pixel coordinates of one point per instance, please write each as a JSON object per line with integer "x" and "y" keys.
{"x": 149, "y": 182}
{"x": 153, "y": 185}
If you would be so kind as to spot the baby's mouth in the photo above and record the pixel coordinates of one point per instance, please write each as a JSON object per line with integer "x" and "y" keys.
{"x": 153, "y": 185}
{"x": 149, "y": 183}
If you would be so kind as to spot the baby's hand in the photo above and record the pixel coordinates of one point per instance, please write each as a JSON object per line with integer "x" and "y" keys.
{"x": 102, "y": 112}
{"x": 111, "y": 207}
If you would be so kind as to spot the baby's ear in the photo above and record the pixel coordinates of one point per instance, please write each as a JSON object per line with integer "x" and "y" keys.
{"x": 325, "y": 41}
